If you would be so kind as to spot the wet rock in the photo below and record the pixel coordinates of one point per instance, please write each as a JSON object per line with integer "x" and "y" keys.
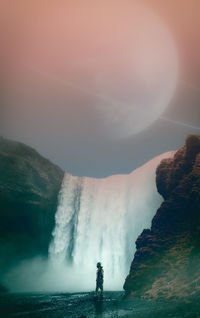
{"x": 29, "y": 187}
{"x": 166, "y": 265}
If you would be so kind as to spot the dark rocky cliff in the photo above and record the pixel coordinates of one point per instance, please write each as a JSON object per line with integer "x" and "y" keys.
{"x": 29, "y": 187}
{"x": 166, "y": 264}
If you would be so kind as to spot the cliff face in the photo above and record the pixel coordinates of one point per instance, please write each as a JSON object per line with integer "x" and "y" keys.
{"x": 166, "y": 264}
{"x": 29, "y": 186}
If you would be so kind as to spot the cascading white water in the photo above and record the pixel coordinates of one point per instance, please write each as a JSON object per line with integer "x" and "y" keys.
{"x": 99, "y": 220}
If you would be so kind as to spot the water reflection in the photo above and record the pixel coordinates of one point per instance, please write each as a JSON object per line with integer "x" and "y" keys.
{"x": 98, "y": 309}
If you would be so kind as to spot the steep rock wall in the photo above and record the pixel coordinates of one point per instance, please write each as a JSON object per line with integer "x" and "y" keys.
{"x": 29, "y": 186}
{"x": 166, "y": 264}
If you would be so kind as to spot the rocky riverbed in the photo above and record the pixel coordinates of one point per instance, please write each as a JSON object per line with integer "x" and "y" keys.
{"x": 83, "y": 305}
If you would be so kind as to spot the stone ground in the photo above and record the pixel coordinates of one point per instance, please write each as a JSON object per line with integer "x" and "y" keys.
{"x": 83, "y": 305}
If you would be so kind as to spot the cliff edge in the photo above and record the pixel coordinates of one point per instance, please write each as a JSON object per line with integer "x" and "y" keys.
{"x": 29, "y": 187}
{"x": 166, "y": 265}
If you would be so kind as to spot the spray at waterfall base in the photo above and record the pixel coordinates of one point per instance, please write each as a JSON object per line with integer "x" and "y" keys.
{"x": 96, "y": 220}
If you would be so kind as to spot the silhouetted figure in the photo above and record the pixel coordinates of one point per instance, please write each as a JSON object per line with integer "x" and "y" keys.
{"x": 99, "y": 280}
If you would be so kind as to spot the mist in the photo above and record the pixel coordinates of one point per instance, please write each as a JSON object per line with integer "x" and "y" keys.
{"x": 96, "y": 220}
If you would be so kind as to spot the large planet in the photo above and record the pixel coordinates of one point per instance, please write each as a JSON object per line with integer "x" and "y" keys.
{"x": 133, "y": 66}
{"x": 119, "y": 52}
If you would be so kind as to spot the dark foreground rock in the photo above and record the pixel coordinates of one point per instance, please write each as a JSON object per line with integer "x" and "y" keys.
{"x": 82, "y": 305}
{"x": 166, "y": 264}
{"x": 29, "y": 187}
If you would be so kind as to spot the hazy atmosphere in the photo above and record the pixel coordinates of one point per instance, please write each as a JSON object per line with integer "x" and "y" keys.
{"x": 100, "y": 158}
{"x": 84, "y": 96}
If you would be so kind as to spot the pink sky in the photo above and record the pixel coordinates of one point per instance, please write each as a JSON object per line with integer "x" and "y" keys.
{"x": 50, "y": 33}
{"x": 23, "y": 22}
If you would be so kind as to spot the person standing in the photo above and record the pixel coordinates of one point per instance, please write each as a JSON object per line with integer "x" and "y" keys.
{"x": 99, "y": 280}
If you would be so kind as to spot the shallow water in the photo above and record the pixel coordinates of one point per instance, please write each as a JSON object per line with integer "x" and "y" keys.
{"x": 83, "y": 305}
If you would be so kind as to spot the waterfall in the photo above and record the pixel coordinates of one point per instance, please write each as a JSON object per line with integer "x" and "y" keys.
{"x": 100, "y": 220}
